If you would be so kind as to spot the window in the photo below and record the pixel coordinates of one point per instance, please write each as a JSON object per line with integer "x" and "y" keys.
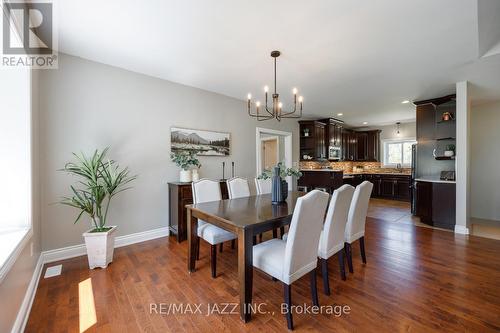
{"x": 398, "y": 152}
{"x": 15, "y": 164}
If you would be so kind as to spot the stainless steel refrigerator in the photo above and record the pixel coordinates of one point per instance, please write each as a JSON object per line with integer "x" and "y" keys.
{"x": 413, "y": 185}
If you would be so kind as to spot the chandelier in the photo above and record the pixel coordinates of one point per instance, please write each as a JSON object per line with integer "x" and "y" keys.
{"x": 276, "y": 109}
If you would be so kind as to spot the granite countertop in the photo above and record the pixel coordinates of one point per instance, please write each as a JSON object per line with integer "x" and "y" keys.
{"x": 378, "y": 173}
{"x": 434, "y": 180}
{"x": 323, "y": 170}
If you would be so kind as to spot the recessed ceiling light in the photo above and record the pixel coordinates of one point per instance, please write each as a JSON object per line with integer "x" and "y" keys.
{"x": 405, "y": 101}
{"x": 365, "y": 123}
{"x": 340, "y": 114}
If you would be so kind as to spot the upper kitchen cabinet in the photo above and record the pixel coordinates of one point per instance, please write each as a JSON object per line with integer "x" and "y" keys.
{"x": 367, "y": 146}
{"x": 312, "y": 140}
{"x": 373, "y": 146}
{"x": 430, "y": 125}
{"x": 333, "y": 132}
{"x": 348, "y": 144}
{"x": 361, "y": 146}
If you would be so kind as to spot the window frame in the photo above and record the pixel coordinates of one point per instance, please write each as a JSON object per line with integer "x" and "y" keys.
{"x": 385, "y": 151}
{"x": 27, "y": 230}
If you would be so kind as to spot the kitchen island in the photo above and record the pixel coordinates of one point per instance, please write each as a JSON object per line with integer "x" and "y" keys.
{"x": 325, "y": 179}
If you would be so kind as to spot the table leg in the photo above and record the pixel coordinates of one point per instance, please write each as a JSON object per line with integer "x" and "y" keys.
{"x": 245, "y": 272}
{"x": 192, "y": 234}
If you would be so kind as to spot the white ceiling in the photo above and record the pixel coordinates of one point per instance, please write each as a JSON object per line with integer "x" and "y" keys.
{"x": 358, "y": 57}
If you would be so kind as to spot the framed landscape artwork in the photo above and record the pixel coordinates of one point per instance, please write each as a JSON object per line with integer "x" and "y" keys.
{"x": 205, "y": 143}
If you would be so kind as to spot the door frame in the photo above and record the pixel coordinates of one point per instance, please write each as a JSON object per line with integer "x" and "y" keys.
{"x": 288, "y": 149}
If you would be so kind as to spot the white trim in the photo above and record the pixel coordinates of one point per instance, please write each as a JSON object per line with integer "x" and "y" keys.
{"x": 11, "y": 260}
{"x": 25, "y": 309}
{"x": 288, "y": 150}
{"x": 462, "y": 160}
{"x": 460, "y": 229}
{"x": 80, "y": 250}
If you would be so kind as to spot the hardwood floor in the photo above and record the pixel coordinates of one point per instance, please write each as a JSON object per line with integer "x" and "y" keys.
{"x": 416, "y": 279}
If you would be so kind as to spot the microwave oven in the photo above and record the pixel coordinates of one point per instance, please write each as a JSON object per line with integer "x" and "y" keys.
{"x": 334, "y": 153}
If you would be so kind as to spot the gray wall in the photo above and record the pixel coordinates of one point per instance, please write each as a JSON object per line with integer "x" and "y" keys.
{"x": 86, "y": 105}
{"x": 485, "y": 153}
{"x": 13, "y": 287}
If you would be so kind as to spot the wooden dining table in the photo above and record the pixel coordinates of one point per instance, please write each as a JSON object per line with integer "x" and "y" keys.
{"x": 246, "y": 217}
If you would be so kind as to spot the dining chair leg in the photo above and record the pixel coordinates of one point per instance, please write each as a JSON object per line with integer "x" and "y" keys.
{"x": 213, "y": 260}
{"x": 342, "y": 264}
{"x": 254, "y": 240}
{"x": 348, "y": 254}
{"x": 362, "y": 248}
{"x": 260, "y": 238}
{"x": 233, "y": 244}
{"x": 275, "y": 233}
{"x": 324, "y": 274}
{"x": 287, "y": 289}
{"x": 314, "y": 289}
{"x": 221, "y": 247}
{"x": 282, "y": 231}
{"x": 197, "y": 248}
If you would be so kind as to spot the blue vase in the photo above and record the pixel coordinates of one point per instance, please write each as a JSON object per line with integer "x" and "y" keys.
{"x": 277, "y": 186}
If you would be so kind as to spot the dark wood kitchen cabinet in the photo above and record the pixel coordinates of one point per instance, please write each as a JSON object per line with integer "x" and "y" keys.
{"x": 361, "y": 146}
{"x": 436, "y": 204}
{"x": 424, "y": 201}
{"x": 348, "y": 145}
{"x": 180, "y": 195}
{"x": 387, "y": 186}
{"x": 329, "y": 179}
{"x": 313, "y": 143}
{"x": 373, "y": 146}
{"x": 333, "y": 132}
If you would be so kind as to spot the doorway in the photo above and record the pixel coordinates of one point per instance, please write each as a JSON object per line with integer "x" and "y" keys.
{"x": 270, "y": 152}
{"x": 273, "y": 146}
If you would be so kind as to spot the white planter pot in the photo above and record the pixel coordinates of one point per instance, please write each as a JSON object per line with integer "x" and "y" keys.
{"x": 185, "y": 176}
{"x": 195, "y": 175}
{"x": 100, "y": 247}
{"x": 449, "y": 153}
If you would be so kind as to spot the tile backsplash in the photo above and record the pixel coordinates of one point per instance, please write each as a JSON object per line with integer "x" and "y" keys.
{"x": 351, "y": 167}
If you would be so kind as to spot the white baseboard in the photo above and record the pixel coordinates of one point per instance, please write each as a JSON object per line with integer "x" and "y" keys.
{"x": 71, "y": 252}
{"x": 24, "y": 311}
{"x": 79, "y": 250}
{"x": 460, "y": 229}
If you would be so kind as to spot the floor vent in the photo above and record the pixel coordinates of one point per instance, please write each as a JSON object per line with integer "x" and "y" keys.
{"x": 53, "y": 271}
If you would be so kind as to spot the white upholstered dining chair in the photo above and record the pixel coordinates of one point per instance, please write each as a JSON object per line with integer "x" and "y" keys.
{"x": 331, "y": 240}
{"x": 205, "y": 190}
{"x": 263, "y": 186}
{"x": 355, "y": 228}
{"x": 289, "y": 260}
{"x": 237, "y": 187}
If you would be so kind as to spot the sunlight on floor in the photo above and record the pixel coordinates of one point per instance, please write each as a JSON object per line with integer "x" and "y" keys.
{"x": 86, "y": 305}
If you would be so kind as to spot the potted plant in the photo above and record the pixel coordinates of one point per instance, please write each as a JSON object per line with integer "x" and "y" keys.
{"x": 185, "y": 160}
{"x": 100, "y": 180}
{"x": 449, "y": 151}
{"x": 279, "y": 190}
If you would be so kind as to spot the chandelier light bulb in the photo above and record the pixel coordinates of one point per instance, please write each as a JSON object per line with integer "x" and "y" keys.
{"x": 266, "y": 88}
{"x": 249, "y": 96}
{"x": 257, "y": 104}
{"x": 280, "y": 105}
{"x": 301, "y": 99}
{"x": 295, "y": 91}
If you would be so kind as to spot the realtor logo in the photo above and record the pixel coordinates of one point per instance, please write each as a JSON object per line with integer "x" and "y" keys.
{"x": 29, "y": 37}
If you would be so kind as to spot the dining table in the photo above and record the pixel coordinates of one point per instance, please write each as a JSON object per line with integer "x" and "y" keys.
{"x": 246, "y": 217}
